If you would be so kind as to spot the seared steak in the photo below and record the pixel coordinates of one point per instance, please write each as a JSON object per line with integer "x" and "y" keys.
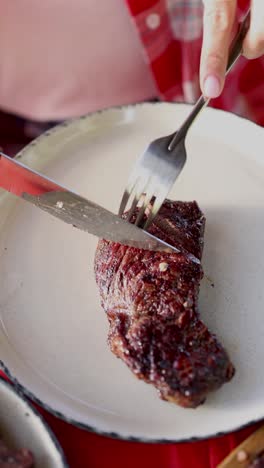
{"x": 22, "y": 458}
{"x": 151, "y": 303}
{"x": 258, "y": 462}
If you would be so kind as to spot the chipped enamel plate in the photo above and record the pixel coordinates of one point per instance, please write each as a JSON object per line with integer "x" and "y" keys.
{"x": 21, "y": 426}
{"x": 53, "y": 332}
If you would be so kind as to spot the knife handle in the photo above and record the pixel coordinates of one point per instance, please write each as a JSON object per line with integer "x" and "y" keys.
{"x": 244, "y": 455}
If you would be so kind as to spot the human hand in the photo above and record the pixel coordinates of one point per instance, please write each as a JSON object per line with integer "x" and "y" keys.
{"x": 219, "y": 25}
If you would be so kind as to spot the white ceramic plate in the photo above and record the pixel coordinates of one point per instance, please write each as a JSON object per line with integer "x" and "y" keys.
{"x": 22, "y": 427}
{"x": 53, "y": 331}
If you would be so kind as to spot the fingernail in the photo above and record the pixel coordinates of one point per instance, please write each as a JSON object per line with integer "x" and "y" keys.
{"x": 212, "y": 87}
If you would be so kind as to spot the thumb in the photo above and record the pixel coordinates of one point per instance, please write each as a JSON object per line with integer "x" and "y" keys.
{"x": 219, "y": 19}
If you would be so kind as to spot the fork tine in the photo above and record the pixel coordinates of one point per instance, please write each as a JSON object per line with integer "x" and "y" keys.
{"x": 133, "y": 206}
{"x": 126, "y": 195}
{"x": 142, "y": 210}
{"x": 155, "y": 208}
{"x": 123, "y": 203}
{"x": 135, "y": 195}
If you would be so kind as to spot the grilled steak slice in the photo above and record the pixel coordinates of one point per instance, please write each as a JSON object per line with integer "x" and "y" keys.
{"x": 151, "y": 303}
{"x": 9, "y": 458}
{"x": 258, "y": 462}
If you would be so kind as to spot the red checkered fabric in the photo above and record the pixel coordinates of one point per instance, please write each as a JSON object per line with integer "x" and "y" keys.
{"x": 171, "y": 35}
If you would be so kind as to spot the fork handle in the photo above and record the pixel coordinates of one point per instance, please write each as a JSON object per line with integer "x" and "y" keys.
{"x": 234, "y": 54}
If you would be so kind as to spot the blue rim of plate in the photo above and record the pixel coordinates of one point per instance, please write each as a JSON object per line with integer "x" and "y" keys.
{"x": 17, "y": 390}
{"x": 27, "y": 393}
{"x": 23, "y": 391}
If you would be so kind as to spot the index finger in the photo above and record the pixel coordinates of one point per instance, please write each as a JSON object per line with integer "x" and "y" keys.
{"x": 219, "y": 17}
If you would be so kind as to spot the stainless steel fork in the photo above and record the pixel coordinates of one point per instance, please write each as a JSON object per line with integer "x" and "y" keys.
{"x": 157, "y": 169}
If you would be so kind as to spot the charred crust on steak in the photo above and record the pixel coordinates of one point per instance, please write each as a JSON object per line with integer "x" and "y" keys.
{"x": 150, "y": 299}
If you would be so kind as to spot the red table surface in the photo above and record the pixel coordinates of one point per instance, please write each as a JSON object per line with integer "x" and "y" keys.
{"x": 87, "y": 450}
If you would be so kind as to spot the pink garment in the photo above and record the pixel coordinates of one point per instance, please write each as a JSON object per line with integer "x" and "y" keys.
{"x": 65, "y": 58}
{"x": 62, "y": 58}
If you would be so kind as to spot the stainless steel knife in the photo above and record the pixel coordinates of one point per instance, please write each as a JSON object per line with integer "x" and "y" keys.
{"x": 73, "y": 209}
